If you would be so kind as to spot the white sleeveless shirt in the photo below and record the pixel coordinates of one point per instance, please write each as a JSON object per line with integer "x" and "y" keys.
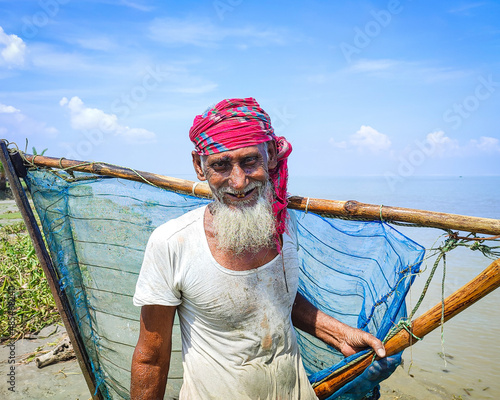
{"x": 238, "y": 341}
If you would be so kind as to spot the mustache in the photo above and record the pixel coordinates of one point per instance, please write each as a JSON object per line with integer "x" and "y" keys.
{"x": 250, "y": 186}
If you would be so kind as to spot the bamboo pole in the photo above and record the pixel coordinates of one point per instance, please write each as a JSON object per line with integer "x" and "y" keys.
{"x": 350, "y": 209}
{"x": 49, "y": 271}
{"x": 432, "y": 219}
{"x": 101, "y": 168}
{"x": 480, "y": 286}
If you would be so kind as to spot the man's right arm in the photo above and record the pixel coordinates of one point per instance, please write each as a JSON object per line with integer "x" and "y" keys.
{"x": 151, "y": 360}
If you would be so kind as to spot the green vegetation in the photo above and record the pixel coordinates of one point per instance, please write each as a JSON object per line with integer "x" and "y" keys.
{"x": 26, "y": 303}
{"x": 10, "y": 215}
{"x": 35, "y": 153}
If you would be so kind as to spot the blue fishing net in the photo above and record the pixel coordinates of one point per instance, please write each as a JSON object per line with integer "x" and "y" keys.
{"x": 97, "y": 228}
{"x": 358, "y": 272}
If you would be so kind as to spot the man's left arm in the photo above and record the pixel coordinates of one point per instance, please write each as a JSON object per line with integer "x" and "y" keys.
{"x": 346, "y": 339}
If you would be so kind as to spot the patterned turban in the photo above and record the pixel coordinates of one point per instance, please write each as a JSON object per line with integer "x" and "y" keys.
{"x": 236, "y": 123}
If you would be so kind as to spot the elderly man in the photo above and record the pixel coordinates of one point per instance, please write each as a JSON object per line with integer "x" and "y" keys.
{"x": 230, "y": 270}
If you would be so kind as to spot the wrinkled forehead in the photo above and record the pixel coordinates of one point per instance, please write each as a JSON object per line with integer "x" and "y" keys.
{"x": 247, "y": 151}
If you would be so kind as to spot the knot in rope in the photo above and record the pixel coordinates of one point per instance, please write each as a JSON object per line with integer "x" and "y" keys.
{"x": 403, "y": 323}
{"x": 477, "y": 246}
{"x": 449, "y": 244}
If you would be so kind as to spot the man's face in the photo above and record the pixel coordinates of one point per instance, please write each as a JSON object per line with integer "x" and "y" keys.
{"x": 236, "y": 176}
{"x": 243, "y": 218}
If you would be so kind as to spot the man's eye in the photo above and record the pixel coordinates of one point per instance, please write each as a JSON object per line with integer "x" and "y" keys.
{"x": 250, "y": 161}
{"x": 218, "y": 165}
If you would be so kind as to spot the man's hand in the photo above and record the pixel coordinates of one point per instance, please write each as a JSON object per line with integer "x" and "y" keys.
{"x": 351, "y": 340}
{"x": 346, "y": 339}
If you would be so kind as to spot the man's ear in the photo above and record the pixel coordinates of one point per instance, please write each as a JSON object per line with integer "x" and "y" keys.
{"x": 272, "y": 155}
{"x": 198, "y": 167}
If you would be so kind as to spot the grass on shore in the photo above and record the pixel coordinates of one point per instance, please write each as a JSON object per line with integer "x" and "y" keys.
{"x": 11, "y": 215}
{"x": 26, "y": 303}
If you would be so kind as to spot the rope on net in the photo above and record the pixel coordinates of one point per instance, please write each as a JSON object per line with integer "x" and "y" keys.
{"x": 452, "y": 242}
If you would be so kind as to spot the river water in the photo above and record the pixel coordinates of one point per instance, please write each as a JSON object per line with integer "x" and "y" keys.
{"x": 471, "y": 339}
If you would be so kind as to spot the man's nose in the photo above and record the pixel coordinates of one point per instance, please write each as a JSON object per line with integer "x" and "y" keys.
{"x": 238, "y": 178}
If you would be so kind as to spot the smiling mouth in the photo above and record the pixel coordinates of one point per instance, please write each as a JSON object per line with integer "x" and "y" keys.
{"x": 242, "y": 195}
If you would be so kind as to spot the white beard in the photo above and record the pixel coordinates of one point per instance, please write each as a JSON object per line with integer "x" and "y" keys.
{"x": 245, "y": 228}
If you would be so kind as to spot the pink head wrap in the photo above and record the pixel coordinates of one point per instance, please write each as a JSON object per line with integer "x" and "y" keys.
{"x": 235, "y": 123}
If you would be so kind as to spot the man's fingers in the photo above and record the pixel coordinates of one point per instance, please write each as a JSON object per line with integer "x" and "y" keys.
{"x": 376, "y": 345}
{"x": 359, "y": 339}
{"x": 380, "y": 352}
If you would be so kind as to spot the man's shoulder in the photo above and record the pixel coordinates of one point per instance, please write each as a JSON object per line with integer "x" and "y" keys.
{"x": 177, "y": 225}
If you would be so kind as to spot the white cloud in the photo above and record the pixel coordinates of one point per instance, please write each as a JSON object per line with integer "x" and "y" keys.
{"x": 368, "y": 138}
{"x": 86, "y": 119}
{"x": 439, "y": 137}
{"x": 442, "y": 145}
{"x": 12, "y": 50}
{"x": 486, "y": 144}
{"x": 365, "y": 139}
{"x": 438, "y": 145}
{"x": 435, "y": 145}
{"x": 8, "y": 109}
{"x": 14, "y": 122}
{"x": 203, "y": 33}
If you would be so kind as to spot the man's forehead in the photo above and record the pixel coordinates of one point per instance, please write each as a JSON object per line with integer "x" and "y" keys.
{"x": 237, "y": 153}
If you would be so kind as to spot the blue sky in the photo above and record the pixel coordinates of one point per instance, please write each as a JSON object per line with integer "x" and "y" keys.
{"x": 392, "y": 88}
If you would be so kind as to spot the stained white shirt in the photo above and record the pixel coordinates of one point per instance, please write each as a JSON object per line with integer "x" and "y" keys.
{"x": 237, "y": 336}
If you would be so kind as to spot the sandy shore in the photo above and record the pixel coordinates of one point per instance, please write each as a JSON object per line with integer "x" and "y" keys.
{"x": 65, "y": 381}
{"x": 402, "y": 386}
{"x": 61, "y": 381}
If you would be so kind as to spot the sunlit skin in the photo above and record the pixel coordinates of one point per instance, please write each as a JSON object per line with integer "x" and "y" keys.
{"x": 235, "y": 170}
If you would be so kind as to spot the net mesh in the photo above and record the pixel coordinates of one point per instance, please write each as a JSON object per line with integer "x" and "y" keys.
{"x": 97, "y": 229}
